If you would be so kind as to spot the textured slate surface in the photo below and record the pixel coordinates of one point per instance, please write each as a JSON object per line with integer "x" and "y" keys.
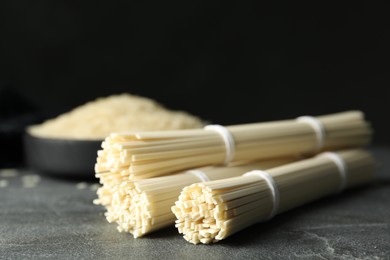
{"x": 56, "y": 220}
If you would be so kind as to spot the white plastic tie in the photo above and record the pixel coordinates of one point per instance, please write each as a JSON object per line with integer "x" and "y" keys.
{"x": 227, "y": 138}
{"x": 273, "y": 188}
{"x": 318, "y": 129}
{"x": 341, "y": 166}
{"x": 201, "y": 175}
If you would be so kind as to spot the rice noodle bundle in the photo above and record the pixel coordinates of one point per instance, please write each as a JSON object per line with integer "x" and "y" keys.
{"x": 142, "y": 155}
{"x": 211, "y": 211}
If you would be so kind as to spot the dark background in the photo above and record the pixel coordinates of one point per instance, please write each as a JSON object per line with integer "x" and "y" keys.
{"x": 228, "y": 62}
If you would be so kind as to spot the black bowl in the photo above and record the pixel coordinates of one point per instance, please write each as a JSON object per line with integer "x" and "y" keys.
{"x": 62, "y": 157}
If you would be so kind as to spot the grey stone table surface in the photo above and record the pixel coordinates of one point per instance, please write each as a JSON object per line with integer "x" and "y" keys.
{"x": 47, "y": 218}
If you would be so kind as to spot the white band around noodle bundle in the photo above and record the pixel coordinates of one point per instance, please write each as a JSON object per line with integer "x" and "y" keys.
{"x": 227, "y": 138}
{"x": 272, "y": 186}
{"x": 341, "y": 166}
{"x": 318, "y": 129}
{"x": 201, "y": 175}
